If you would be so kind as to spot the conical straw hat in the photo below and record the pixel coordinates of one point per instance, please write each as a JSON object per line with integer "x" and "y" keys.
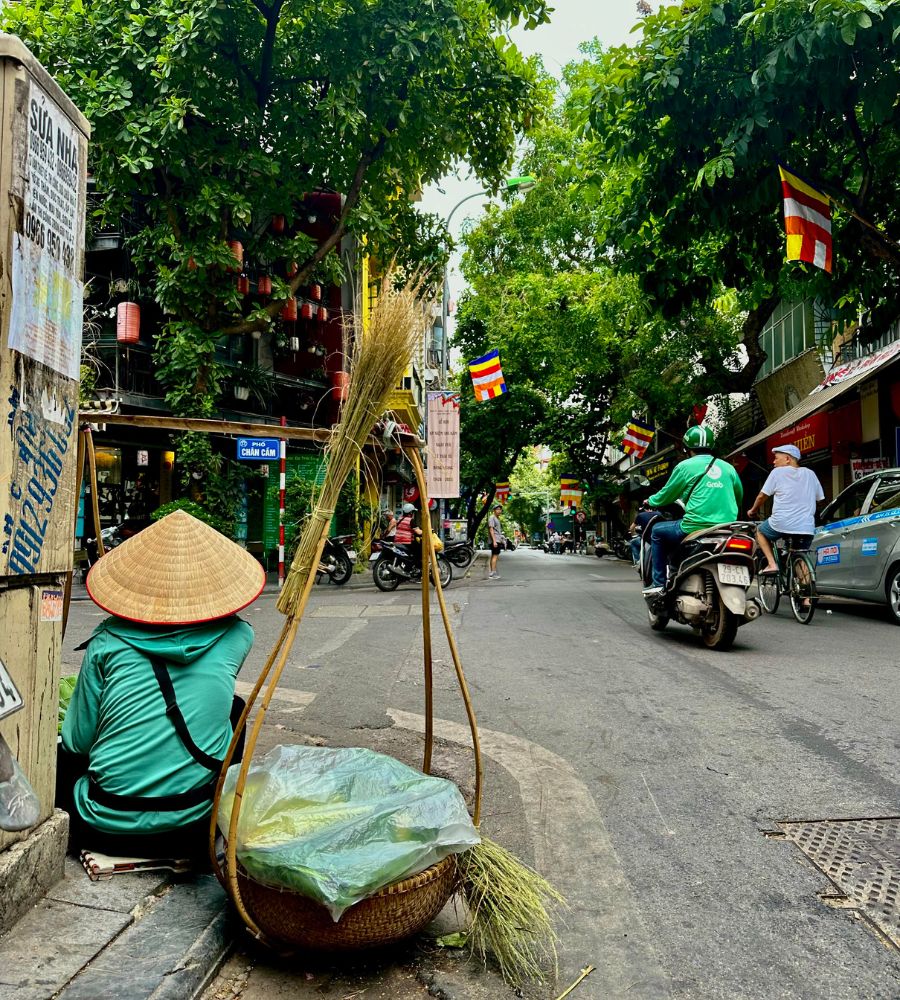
{"x": 179, "y": 571}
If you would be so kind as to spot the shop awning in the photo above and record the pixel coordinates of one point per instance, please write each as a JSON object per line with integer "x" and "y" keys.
{"x": 656, "y": 466}
{"x": 822, "y": 397}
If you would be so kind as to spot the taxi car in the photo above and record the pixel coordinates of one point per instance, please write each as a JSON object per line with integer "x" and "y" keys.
{"x": 857, "y": 543}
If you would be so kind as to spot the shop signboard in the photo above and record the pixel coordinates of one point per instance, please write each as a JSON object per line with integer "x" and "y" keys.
{"x": 860, "y": 467}
{"x": 809, "y": 435}
{"x": 257, "y": 449}
{"x": 442, "y": 472}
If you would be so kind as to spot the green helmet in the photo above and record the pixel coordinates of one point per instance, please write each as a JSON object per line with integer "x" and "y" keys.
{"x": 699, "y": 437}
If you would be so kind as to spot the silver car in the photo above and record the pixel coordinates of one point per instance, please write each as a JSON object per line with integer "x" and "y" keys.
{"x": 857, "y": 547}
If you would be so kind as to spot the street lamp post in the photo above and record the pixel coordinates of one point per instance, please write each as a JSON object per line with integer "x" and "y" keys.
{"x": 524, "y": 183}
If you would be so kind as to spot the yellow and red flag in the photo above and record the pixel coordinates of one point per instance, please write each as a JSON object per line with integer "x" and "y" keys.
{"x": 487, "y": 376}
{"x": 638, "y": 436}
{"x": 807, "y": 221}
{"x": 570, "y": 492}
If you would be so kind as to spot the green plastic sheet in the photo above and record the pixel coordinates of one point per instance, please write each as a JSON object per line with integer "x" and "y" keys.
{"x": 338, "y": 824}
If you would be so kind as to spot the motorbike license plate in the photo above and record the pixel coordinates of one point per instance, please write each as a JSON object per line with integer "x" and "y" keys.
{"x": 739, "y": 575}
{"x": 374, "y": 557}
{"x": 351, "y": 555}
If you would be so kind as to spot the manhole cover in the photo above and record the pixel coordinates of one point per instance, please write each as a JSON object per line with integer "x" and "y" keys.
{"x": 862, "y": 858}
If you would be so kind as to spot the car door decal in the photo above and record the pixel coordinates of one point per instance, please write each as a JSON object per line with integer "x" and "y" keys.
{"x": 869, "y": 547}
{"x": 827, "y": 555}
{"x": 865, "y": 519}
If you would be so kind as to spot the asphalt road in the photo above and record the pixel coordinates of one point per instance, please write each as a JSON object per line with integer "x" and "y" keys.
{"x": 639, "y": 771}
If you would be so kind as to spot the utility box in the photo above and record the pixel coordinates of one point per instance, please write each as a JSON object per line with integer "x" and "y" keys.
{"x": 43, "y": 170}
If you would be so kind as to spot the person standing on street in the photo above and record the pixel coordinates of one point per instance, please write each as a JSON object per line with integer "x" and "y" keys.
{"x": 495, "y": 533}
{"x": 794, "y": 492}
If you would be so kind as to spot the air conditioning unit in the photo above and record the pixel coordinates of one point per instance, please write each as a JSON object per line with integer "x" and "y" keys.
{"x": 431, "y": 374}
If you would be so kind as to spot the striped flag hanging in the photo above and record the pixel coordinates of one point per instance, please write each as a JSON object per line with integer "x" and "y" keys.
{"x": 638, "y": 436}
{"x": 570, "y": 492}
{"x": 487, "y": 376}
{"x": 807, "y": 221}
{"x": 501, "y": 492}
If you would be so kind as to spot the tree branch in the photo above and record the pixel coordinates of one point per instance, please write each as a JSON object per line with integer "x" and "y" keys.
{"x": 264, "y": 84}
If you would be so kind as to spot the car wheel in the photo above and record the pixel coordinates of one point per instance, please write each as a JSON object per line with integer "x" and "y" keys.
{"x": 892, "y": 589}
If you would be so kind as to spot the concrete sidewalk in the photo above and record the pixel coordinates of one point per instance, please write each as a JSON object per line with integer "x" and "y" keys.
{"x": 137, "y": 935}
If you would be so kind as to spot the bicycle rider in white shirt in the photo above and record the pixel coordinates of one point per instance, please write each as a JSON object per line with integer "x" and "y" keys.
{"x": 795, "y": 492}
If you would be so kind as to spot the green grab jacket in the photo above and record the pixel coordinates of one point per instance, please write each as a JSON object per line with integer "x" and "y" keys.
{"x": 715, "y": 498}
{"x": 117, "y": 715}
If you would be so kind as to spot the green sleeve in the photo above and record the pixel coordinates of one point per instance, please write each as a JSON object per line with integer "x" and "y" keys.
{"x": 80, "y": 725}
{"x": 673, "y": 488}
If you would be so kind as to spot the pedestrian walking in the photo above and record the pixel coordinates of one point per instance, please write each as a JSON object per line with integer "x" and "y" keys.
{"x": 151, "y": 716}
{"x": 495, "y": 533}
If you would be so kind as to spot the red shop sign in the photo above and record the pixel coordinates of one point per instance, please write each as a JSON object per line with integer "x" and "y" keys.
{"x": 808, "y": 435}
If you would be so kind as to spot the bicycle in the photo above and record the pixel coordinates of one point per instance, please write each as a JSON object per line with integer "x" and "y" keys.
{"x": 796, "y": 577}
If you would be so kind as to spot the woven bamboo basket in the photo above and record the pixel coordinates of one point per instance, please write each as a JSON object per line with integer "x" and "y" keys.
{"x": 282, "y": 917}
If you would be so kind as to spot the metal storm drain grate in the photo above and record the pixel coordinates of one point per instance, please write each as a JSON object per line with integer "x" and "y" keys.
{"x": 862, "y": 858}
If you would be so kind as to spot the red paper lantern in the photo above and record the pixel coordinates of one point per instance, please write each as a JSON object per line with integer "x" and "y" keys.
{"x": 243, "y": 284}
{"x": 191, "y": 264}
{"x": 264, "y": 285}
{"x": 306, "y": 311}
{"x": 315, "y": 293}
{"x": 292, "y": 269}
{"x": 128, "y": 322}
{"x": 323, "y": 314}
{"x": 289, "y": 309}
{"x": 340, "y": 385}
{"x": 237, "y": 251}
{"x": 277, "y": 223}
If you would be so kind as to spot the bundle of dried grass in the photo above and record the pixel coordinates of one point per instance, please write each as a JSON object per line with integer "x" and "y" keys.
{"x": 509, "y": 905}
{"x": 380, "y": 356}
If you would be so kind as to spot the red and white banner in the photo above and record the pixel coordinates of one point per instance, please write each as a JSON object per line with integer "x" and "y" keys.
{"x": 442, "y": 471}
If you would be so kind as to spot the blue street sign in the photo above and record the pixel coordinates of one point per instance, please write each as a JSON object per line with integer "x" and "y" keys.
{"x": 257, "y": 449}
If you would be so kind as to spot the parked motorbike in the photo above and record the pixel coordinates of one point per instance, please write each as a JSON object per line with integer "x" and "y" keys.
{"x": 391, "y": 566}
{"x": 114, "y": 535}
{"x": 707, "y": 590}
{"x": 459, "y": 553}
{"x": 338, "y": 558}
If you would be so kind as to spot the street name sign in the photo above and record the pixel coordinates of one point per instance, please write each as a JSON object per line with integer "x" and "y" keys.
{"x": 257, "y": 449}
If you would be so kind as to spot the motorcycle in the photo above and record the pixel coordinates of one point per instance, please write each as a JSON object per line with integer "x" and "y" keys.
{"x": 338, "y": 558}
{"x": 391, "y": 566}
{"x": 459, "y": 553}
{"x": 114, "y": 535}
{"x": 707, "y": 590}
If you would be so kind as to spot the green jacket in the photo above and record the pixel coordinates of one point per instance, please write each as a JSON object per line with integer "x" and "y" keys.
{"x": 715, "y": 498}
{"x": 117, "y": 716}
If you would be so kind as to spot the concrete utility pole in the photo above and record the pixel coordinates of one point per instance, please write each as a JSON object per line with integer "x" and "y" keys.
{"x": 43, "y": 170}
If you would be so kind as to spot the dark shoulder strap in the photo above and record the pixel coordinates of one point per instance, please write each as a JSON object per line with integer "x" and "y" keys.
{"x": 174, "y": 713}
{"x": 696, "y": 482}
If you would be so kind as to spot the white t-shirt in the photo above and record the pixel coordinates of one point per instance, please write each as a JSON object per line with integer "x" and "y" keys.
{"x": 794, "y": 492}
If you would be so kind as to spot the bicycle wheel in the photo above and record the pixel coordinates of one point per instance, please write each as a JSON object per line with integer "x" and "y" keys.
{"x": 802, "y": 588}
{"x": 769, "y": 585}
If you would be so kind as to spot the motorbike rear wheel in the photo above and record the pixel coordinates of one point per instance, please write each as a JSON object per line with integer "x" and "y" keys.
{"x": 461, "y": 556}
{"x": 343, "y": 570}
{"x": 384, "y": 579}
{"x": 720, "y": 635}
{"x": 445, "y": 571}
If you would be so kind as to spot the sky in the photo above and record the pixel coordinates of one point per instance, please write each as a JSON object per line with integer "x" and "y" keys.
{"x": 572, "y": 22}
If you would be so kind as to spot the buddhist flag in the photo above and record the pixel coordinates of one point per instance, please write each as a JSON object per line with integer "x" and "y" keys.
{"x": 487, "y": 376}
{"x": 638, "y": 436}
{"x": 501, "y": 492}
{"x": 570, "y": 492}
{"x": 807, "y": 221}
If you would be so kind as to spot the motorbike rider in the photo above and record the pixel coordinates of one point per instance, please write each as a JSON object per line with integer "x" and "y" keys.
{"x": 710, "y": 490}
{"x": 636, "y": 528}
{"x": 407, "y": 531}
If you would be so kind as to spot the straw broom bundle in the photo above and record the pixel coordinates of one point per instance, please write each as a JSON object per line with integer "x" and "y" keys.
{"x": 381, "y": 355}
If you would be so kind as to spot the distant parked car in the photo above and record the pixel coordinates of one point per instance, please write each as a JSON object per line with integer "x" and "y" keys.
{"x": 857, "y": 546}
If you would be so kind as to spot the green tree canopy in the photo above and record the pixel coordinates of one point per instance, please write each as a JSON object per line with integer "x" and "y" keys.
{"x": 211, "y": 117}
{"x": 686, "y": 127}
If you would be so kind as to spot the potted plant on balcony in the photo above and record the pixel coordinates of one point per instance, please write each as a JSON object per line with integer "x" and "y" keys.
{"x": 253, "y": 381}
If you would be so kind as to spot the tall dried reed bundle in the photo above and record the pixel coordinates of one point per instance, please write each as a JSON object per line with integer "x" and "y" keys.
{"x": 380, "y": 356}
